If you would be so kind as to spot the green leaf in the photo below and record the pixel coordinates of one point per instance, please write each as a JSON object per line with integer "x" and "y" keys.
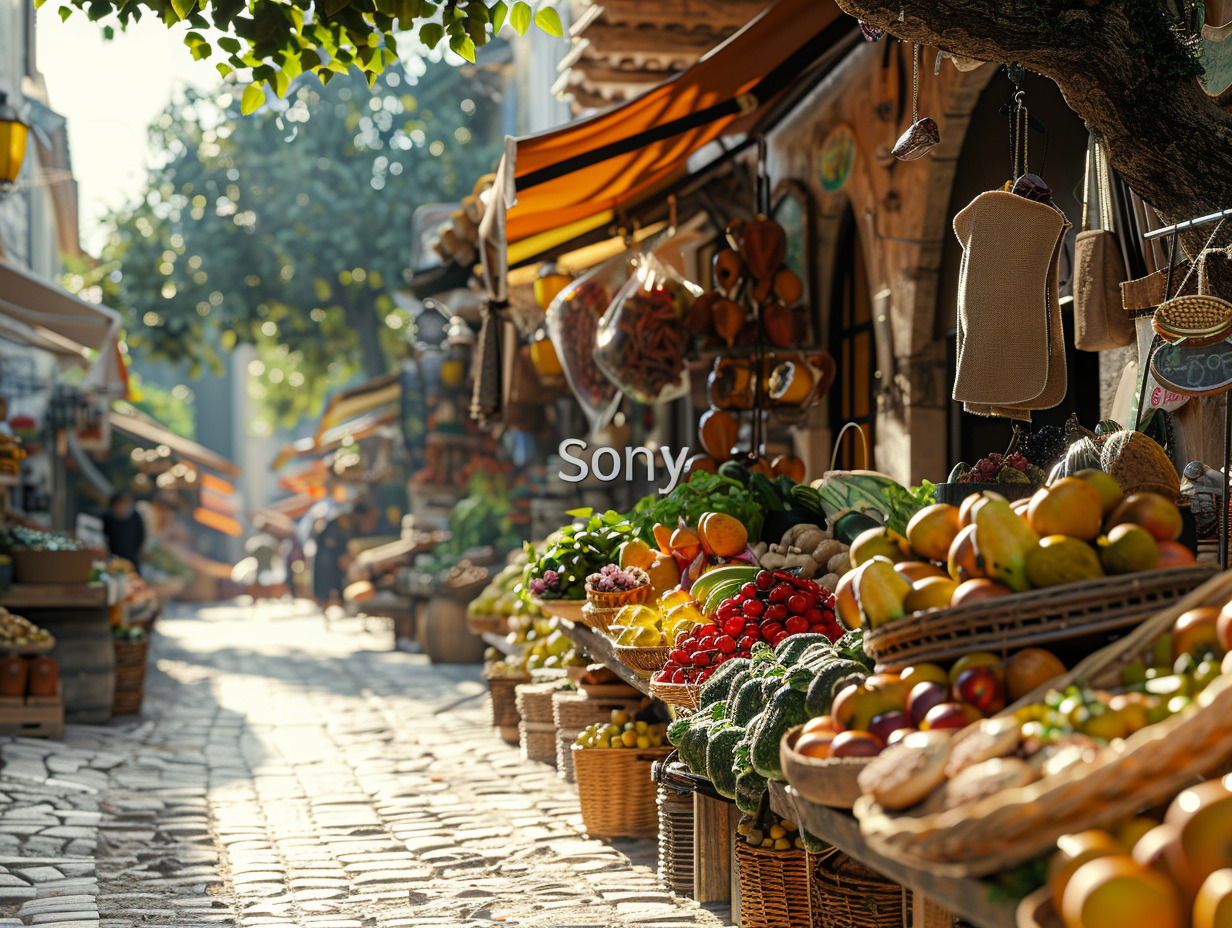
{"x": 580, "y": 513}
{"x": 224, "y": 69}
{"x": 309, "y": 59}
{"x": 464, "y": 47}
{"x": 548, "y": 20}
{"x": 108, "y": 33}
{"x": 228, "y": 44}
{"x": 201, "y": 50}
{"x": 281, "y": 83}
{"x": 499, "y": 12}
{"x": 430, "y": 34}
{"x": 252, "y": 100}
{"x": 183, "y": 7}
{"x": 519, "y": 17}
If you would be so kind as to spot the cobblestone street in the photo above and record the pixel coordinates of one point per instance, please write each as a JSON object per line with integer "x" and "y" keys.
{"x": 287, "y": 774}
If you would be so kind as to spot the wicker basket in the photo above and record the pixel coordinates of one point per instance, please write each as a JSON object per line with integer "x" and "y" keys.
{"x": 536, "y": 729}
{"x": 130, "y": 666}
{"x": 643, "y": 661}
{"x": 681, "y": 695}
{"x": 503, "y": 691}
{"x": 616, "y": 791}
{"x": 1124, "y": 778}
{"x": 847, "y": 894}
{"x": 675, "y": 840}
{"x": 570, "y": 609}
{"x": 774, "y": 887}
{"x": 830, "y": 782}
{"x": 600, "y": 618}
{"x": 634, "y": 597}
{"x": 132, "y": 654}
{"x": 1038, "y": 617}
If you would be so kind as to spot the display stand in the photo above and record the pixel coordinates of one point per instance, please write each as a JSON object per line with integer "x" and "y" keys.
{"x": 77, "y": 616}
{"x": 601, "y": 649}
{"x": 936, "y": 899}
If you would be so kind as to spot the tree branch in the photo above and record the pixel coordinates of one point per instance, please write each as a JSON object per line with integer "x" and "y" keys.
{"x": 1119, "y": 67}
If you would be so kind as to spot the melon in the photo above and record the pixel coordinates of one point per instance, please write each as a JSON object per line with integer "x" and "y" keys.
{"x": 1137, "y": 462}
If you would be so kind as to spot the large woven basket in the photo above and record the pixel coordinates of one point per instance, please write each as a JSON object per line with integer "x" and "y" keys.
{"x": 130, "y": 661}
{"x": 1038, "y": 617}
{"x": 616, "y": 791}
{"x": 675, "y": 839}
{"x": 536, "y": 728}
{"x": 847, "y": 894}
{"x": 1122, "y": 779}
{"x": 774, "y": 887}
{"x": 573, "y": 712}
{"x": 681, "y": 695}
{"x": 830, "y": 782}
{"x": 503, "y": 691}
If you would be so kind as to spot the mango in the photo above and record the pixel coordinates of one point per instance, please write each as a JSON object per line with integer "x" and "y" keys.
{"x": 1068, "y": 507}
{"x": 1002, "y": 541}
{"x": 879, "y": 542}
{"x": 931, "y": 531}
{"x": 1128, "y": 548}
{"x": 929, "y": 593}
{"x": 881, "y": 592}
{"x": 1060, "y": 559}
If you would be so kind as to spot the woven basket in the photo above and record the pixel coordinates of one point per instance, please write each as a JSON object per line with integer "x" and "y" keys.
{"x": 616, "y": 791}
{"x": 574, "y": 711}
{"x": 537, "y": 742}
{"x": 675, "y": 840}
{"x": 830, "y": 782}
{"x": 536, "y": 728}
{"x": 1122, "y": 779}
{"x": 681, "y": 695}
{"x": 847, "y": 894}
{"x": 127, "y": 703}
{"x": 570, "y": 609}
{"x": 774, "y": 887}
{"x": 1038, "y": 617}
{"x": 600, "y": 618}
{"x": 131, "y": 653}
{"x": 564, "y": 754}
{"x": 643, "y": 661}
{"x": 636, "y": 596}
{"x": 504, "y": 701}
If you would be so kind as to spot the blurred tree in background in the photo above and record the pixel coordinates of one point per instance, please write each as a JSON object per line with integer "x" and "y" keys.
{"x": 290, "y": 228}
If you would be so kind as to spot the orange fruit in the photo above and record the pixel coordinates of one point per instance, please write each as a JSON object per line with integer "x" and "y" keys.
{"x": 1072, "y": 852}
{"x": 1174, "y": 554}
{"x": 663, "y": 537}
{"x": 685, "y": 543}
{"x": 815, "y": 744}
{"x": 787, "y": 465}
{"x": 722, "y": 535}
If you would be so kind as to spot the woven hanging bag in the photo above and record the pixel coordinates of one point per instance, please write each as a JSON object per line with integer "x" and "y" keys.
{"x": 1011, "y": 347}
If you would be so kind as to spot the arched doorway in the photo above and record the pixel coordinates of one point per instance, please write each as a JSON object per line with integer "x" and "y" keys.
{"x": 852, "y": 342}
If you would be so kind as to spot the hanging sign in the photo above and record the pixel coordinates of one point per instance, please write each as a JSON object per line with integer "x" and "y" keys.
{"x": 1194, "y": 371}
{"x": 836, "y": 158}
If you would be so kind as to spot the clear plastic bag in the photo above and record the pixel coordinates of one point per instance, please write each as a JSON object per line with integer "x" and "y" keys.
{"x": 642, "y": 339}
{"x": 572, "y": 322}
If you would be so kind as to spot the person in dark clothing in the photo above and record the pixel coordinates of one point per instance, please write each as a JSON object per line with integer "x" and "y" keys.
{"x": 331, "y": 560}
{"x": 124, "y": 528}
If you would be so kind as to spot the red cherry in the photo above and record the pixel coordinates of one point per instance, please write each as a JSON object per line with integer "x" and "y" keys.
{"x": 748, "y": 591}
{"x": 798, "y": 604}
{"x": 701, "y": 659}
{"x": 796, "y": 624}
{"x": 814, "y": 615}
{"x": 770, "y": 629}
{"x": 726, "y": 644}
{"x": 776, "y": 612}
{"x": 764, "y": 579}
{"x": 678, "y": 676}
{"x": 705, "y": 674}
{"x": 733, "y": 626}
{"x": 754, "y": 608}
{"x": 746, "y": 643}
{"x": 679, "y": 655}
{"x": 743, "y": 652}
{"x": 670, "y": 667}
{"x": 780, "y": 593}
{"x": 774, "y": 642}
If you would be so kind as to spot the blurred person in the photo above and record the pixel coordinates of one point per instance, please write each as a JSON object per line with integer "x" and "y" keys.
{"x": 331, "y": 560}
{"x": 124, "y": 528}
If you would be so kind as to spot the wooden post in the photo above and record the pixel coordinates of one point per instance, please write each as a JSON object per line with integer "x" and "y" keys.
{"x": 712, "y": 866}
{"x": 927, "y": 914}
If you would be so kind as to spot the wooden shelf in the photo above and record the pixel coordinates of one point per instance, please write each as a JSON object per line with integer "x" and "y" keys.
{"x": 54, "y": 596}
{"x": 599, "y": 647}
{"x": 500, "y": 643}
{"x": 966, "y": 898}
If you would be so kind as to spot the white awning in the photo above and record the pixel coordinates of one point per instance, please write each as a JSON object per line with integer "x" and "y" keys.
{"x": 43, "y": 315}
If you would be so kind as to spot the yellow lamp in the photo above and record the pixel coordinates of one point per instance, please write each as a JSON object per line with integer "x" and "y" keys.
{"x": 12, "y": 143}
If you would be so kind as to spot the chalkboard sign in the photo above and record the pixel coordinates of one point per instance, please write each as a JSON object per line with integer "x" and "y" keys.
{"x": 1194, "y": 371}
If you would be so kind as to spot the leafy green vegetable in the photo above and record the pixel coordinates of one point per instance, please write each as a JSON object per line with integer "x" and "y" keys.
{"x": 906, "y": 502}
{"x": 690, "y": 501}
{"x": 574, "y": 553}
{"x": 875, "y": 495}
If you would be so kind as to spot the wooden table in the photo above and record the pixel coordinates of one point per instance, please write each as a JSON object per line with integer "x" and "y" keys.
{"x": 600, "y": 648}
{"x": 77, "y": 616}
{"x": 935, "y": 897}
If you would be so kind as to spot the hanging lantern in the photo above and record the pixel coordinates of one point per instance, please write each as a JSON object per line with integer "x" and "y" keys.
{"x": 12, "y": 143}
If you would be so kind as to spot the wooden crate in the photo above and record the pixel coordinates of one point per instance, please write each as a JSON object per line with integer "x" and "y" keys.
{"x": 32, "y": 716}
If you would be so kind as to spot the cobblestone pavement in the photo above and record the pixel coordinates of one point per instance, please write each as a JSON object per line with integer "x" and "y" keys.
{"x": 285, "y": 774}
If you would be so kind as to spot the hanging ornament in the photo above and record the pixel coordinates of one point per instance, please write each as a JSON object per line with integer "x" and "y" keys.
{"x": 871, "y": 33}
{"x": 923, "y": 134}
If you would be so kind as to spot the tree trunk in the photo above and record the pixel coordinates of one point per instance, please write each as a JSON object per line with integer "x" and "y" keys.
{"x": 362, "y": 318}
{"x": 1120, "y": 69}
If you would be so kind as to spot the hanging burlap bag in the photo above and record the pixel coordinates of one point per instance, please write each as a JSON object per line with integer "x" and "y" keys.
{"x": 1011, "y": 347}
